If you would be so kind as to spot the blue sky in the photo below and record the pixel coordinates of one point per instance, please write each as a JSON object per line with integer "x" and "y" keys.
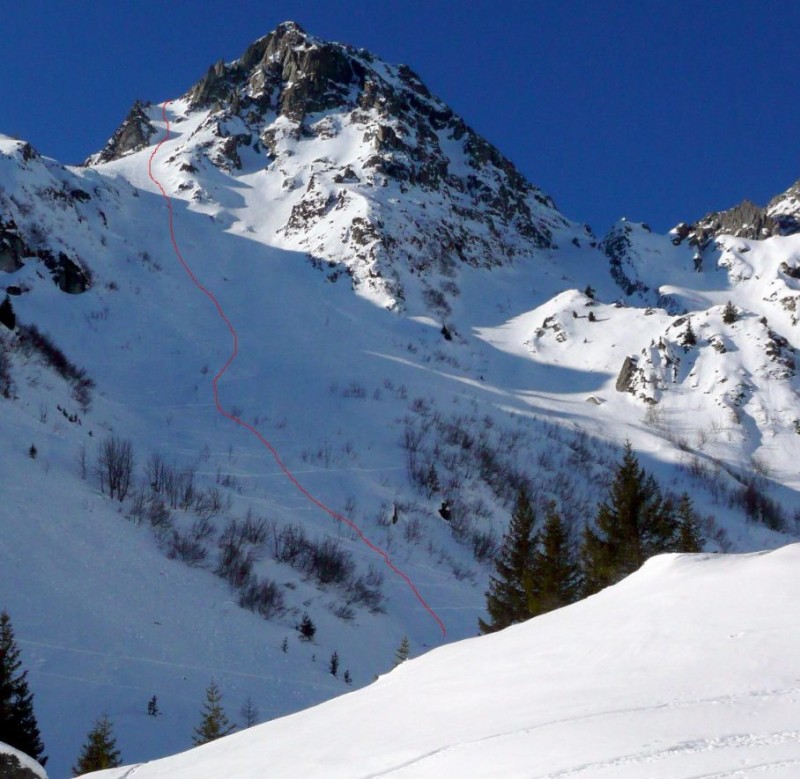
{"x": 658, "y": 111}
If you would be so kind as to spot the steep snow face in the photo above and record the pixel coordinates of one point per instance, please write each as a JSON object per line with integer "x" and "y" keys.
{"x": 687, "y": 668}
{"x": 325, "y": 149}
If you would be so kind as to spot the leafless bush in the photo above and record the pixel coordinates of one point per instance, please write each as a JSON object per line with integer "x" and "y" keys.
{"x": 6, "y": 381}
{"x": 329, "y": 563}
{"x": 354, "y": 390}
{"x": 186, "y": 548}
{"x": 201, "y": 529}
{"x": 211, "y": 503}
{"x": 115, "y": 466}
{"x": 32, "y": 339}
{"x": 159, "y": 517}
{"x": 138, "y": 507}
{"x": 412, "y": 531}
{"x": 484, "y": 546}
{"x": 263, "y": 597}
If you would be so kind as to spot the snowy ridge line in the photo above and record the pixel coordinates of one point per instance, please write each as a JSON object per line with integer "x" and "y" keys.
{"x": 236, "y": 420}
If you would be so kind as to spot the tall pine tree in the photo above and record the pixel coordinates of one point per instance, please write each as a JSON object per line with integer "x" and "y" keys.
{"x": 100, "y": 750}
{"x": 18, "y": 727}
{"x": 634, "y": 523}
{"x": 554, "y": 575}
{"x": 690, "y": 536}
{"x": 507, "y": 598}
{"x": 214, "y": 723}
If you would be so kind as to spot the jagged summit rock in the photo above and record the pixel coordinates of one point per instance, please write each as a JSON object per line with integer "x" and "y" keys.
{"x": 132, "y": 135}
{"x": 781, "y": 216}
{"x": 376, "y": 176}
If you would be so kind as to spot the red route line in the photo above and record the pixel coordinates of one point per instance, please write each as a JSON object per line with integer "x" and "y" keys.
{"x": 233, "y": 418}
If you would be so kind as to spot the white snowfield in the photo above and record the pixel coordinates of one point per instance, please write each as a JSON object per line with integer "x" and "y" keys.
{"x": 689, "y": 668}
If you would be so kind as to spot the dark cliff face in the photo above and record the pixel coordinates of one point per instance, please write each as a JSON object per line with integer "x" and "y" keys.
{"x": 132, "y": 135}
{"x": 781, "y": 216}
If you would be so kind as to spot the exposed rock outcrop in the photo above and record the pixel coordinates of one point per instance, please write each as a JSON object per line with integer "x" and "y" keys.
{"x": 132, "y": 135}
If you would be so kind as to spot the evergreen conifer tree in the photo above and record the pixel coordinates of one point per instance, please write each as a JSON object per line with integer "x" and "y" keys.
{"x": 214, "y": 722}
{"x": 402, "y": 652}
{"x": 507, "y": 598}
{"x": 100, "y": 750}
{"x": 634, "y": 523}
{"x": 249, "y": 712}
{"x": 307, "y": 628}
{"x": 333, "y": 663}
{"x": 554, "y": 576}
{"x": 729, "y": 313}
{"x": 690, "y": 536}
{"x": 689, "y": 338}
{"x": 18, "y": 726}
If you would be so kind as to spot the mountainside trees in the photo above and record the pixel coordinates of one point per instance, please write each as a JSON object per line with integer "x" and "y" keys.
{"x": 507, "y": 598}
{"x": 18, "y": 726}
{"x": 537, "y": 572}
{"x": 554, "y": 578}
{"x": 632, "y": 524}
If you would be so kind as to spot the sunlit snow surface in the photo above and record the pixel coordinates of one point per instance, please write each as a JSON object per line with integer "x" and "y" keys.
{"x": 689, "y": 668}
{"x": 105, "y": 621}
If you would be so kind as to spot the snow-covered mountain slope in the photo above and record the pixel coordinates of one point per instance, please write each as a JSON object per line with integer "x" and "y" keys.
{"x": 322, "y": 148}
{"x": 465, "y": 365}
{"x": 688, "y": 668}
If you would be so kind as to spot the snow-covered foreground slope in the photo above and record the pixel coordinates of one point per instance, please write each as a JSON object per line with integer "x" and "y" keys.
{"x": 688, "y": 668}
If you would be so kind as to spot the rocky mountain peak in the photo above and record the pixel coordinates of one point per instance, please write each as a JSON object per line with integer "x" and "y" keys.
{"x": 781, "y": 216}
{"x": 132, "y": 135}
{"x": 287, "y": 69}
{"x": 355, "y": 142}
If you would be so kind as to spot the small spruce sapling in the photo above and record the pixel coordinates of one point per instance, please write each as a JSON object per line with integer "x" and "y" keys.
{"x": 347, "y": 678}
{"x": 306, "y": 628}
{"x": 152, "y": 707}
{"x": 402, "y": 652}
{"x": 249, "y": 713}
{"x": 214, "y": 722}
{"x": 333, "y": 664}
{"x": 285, "y": 645}
{"x": 729, "y": 313}
{"x": 689, "y": 339}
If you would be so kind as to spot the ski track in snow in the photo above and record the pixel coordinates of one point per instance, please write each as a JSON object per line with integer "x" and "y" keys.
{"x": 240, "y": 422}
{"x": 688, "y": 746}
